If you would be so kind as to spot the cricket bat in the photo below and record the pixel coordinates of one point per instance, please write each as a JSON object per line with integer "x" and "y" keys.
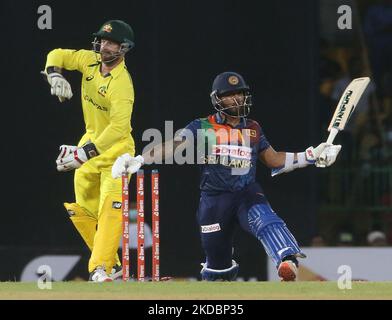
{"x": 346, "y": 106}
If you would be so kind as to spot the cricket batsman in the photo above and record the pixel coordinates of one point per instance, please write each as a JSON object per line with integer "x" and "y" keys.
{"x": 228, "y": 197}
{"x": 107, "y": 101}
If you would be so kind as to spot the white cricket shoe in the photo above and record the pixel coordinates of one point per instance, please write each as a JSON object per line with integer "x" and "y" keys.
{"x": 287, "y": 271}
{"x": 99, "y": 275}
{"x": 116, "y": 272}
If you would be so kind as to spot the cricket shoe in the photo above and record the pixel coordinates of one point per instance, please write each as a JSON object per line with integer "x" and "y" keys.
{"x": 99, "y": 275}
{"x": 287, "y": 271}
{"x": 116, "y": 272}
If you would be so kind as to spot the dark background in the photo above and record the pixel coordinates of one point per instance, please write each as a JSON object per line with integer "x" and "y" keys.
{"x": 180, "y": 47}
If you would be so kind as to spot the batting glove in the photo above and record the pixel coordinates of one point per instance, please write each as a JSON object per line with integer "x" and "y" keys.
{"x": 126, "y": 163}
{"x": 312, "y": 154}
{"x": 304, "y": 159}
{"x": 328, "y": 156}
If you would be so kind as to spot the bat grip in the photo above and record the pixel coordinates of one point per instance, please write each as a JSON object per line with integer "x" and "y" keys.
{"x": 332, "y": 135}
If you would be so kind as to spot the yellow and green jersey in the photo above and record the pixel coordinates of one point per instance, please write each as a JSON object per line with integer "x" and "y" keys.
{"x": 107, "y": 100}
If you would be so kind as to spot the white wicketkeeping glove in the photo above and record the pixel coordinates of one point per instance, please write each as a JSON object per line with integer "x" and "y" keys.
{"x": 65, "y": 150}
{"x": 126, "y": 163}
{"x": 59, "y": 86}
{"x": 328, "y": 156}
{"x": 72, "y": 157}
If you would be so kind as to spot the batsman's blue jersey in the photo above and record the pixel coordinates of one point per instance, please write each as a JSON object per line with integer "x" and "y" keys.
{"x": 227, "y": 155}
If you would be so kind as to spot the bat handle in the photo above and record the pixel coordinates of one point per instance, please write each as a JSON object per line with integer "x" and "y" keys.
{"x": 332, "y": 135}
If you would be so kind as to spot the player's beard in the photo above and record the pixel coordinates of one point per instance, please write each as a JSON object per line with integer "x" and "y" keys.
{"x": 236, "y": 111}
{"x": 233, "y": 111}
{"x": 109, "y": 58}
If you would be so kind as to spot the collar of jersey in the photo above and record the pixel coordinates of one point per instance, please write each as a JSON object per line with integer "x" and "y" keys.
{"x": 115, "y": 72}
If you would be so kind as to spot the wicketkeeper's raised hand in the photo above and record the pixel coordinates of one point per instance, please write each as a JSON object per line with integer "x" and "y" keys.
{"x": 59, "y": 86}
{"x": 126, "y": 163}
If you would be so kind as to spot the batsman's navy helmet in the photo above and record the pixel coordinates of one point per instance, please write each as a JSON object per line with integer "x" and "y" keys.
{"x": 227, "y": 83}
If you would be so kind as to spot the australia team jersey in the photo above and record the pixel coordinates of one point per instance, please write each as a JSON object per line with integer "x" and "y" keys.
{"x": 227, "y": 155}
{"x": 107, "y": 100}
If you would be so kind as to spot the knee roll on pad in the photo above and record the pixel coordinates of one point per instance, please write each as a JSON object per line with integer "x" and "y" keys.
{"x": 261, "y": 215}
{"x": 228, "y": 274}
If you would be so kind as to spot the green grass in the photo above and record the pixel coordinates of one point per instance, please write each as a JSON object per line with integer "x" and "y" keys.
{"x": 174, "y": 290}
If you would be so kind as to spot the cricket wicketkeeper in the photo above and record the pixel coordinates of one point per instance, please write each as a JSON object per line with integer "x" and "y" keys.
{"x": 230, "y": 196}
{"x": 107, "y": 100}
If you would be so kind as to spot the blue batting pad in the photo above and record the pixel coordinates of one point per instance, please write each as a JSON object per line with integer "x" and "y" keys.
{"x": 272, "y": 232}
